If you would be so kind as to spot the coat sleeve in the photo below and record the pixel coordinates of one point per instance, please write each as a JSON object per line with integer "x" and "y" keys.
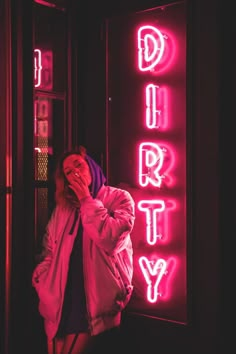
{"x": 109, "y": 223}
{"x": 45, "y": 257}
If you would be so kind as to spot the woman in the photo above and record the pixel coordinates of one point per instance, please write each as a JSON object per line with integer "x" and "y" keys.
{"x": 84, "y": 278}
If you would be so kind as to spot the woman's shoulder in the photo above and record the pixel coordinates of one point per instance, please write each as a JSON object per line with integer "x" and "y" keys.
{"x": 116, "y": 191}
{"x": 62, "y": 210}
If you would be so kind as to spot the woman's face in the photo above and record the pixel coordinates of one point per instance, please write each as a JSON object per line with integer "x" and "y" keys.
{"x": 75, "y": 166}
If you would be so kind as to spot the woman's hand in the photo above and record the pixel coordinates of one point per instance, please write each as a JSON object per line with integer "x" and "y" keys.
{"x": 79, "y": 185}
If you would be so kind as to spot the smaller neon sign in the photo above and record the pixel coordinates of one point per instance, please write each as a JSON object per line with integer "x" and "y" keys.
{"x": 43, "y": 69}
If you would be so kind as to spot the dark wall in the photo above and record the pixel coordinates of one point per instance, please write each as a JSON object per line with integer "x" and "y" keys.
{"x": 227, "y": 220}
{"x": 92, "y": 70}
{"x": 210, "y": 213}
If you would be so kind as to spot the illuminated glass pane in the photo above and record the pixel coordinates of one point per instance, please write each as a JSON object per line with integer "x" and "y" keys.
{"x": 50, "y": 49}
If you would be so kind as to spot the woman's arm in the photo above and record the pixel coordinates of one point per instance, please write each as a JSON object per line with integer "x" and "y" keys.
{"x": 46, "y": 254}
{"x": 109, "y": 228}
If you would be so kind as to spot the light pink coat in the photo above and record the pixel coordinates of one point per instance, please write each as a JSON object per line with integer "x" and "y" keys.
{"x": 107, "y": 258}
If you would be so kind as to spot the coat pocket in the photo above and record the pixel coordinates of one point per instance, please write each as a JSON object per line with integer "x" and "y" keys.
{"x": 49, "y": 304}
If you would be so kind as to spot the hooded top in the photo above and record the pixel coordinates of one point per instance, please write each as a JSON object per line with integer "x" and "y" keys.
{"x": 74, "y": 317}
{"x": 98, "y": 178}
{"x": 106, "y": 245}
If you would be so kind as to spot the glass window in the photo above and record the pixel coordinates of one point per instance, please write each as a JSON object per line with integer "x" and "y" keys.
{"x": 50, "y": 85}
{"x": 50, "y": 49}
{"x": 48, "y": 137}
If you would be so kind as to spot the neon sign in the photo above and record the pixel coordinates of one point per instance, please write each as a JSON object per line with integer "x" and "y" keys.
{"x": 43, "y": 69}
{"x": 148, "y": 207}
{"x": 156, "y": 107}
{"x": 146, "y": 97}
{"x": 43, "y": 80}
{"x": 150, "y": 47}
{"x": 156, "y": 162}
{"x": 153, "y": 273}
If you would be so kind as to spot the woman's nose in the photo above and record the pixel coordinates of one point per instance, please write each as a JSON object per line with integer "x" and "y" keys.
{"x": 76, "y": 172}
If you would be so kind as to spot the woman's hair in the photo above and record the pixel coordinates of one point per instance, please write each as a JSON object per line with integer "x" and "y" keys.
{"x": 64, "y": 195}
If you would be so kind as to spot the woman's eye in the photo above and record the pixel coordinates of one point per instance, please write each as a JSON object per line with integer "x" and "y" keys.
{"x": 77, "y": 165}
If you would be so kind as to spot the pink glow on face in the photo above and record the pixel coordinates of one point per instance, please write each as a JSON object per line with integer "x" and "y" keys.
{"x": 150, "y": 47}
{"x": 153, "y": 273}
{"x": 152, "y": 208}
{"x": 37, "y": 67}
{"x": 156, "y": 107}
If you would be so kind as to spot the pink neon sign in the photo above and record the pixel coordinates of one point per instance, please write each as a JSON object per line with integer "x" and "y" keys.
{"x": 43, "y": 80}
{"x": 43, "y": 69}
{"x": 151, "y": 208}
{"x": 153, "y": 273}
{"x": 155, "y": 162}
{"x": 151, "y": 160}
{"x": 147, "y": 113}
{"x": 150, "y": 47}
{"x": 37, "y": 67}
{"x": 156, "y": 99}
